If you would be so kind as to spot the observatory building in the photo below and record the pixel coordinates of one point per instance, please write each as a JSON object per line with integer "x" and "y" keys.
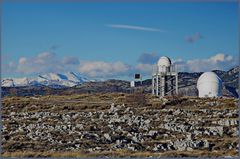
{"x": 137, "y": 81}
{"x": 209, "y": 85}
{"x": 163, "y": 77}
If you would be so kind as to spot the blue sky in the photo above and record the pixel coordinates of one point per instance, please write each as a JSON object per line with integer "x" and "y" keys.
{"x": 116, "y": 37}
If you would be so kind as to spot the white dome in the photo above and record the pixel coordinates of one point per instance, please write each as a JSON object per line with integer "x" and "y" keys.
{"x": 164, "y": 61}
{"x": 209, "y": 85}
{"x": 164, "y": 64}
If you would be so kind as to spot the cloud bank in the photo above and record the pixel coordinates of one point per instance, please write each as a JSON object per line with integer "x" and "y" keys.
{"x": 219, "y": 61}
{"x": 103, "y": 69}
{"x": 44, "y": 62}
{"x": 47, "y": 62}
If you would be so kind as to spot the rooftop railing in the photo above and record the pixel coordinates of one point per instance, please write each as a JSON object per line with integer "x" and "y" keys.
{"x": 164, "y": 69}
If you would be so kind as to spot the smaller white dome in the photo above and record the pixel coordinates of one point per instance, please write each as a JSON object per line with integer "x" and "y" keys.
{"x": 209, "y": 85}
{"x": 164, "y": 61}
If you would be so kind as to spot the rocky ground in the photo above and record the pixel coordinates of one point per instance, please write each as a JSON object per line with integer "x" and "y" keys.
{"x": 119, "y": 125}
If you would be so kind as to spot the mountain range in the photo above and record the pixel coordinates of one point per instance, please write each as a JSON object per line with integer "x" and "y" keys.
{"x": 53, "y": 80}
{"x": 72, "y": 83}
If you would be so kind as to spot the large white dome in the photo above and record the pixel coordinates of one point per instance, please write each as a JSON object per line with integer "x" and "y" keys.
{"x": 164, "y": 61}
{"x": 209, "y": 85}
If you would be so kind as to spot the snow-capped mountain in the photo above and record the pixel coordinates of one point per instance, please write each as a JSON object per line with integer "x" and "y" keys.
{"x": 68, "y": 79}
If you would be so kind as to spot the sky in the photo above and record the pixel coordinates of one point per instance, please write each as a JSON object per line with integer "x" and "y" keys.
{"x": 117, "y": 39}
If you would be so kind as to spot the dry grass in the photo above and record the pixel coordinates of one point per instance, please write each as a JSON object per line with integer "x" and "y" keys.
{"x": 122, "y": 153}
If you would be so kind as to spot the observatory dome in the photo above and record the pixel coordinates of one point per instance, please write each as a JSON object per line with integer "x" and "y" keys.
{"x": 164, "y": 61}
{"x": 164, "y": 64}
{"x": 209, "y": 85}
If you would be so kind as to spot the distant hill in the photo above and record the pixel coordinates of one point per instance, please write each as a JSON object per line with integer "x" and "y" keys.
{"x": 187, "y": 85}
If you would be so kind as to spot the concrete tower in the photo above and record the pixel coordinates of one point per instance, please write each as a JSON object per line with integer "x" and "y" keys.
{"x": 163, "y": 77}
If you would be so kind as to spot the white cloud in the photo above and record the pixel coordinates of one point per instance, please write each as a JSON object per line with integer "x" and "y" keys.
{"x": 46, "y": 55}
{"x": 103, "y": 69}
{"x": 44, "y": 62}
{"x": 221, "y": 58}
{"x": 144, "y": 68}
{"x": 219, "y": 61}
{"x": 134, "y": 27}
{"x": 22, "y": 60}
